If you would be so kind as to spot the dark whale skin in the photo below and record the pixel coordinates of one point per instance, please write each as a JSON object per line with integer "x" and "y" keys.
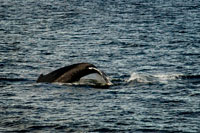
{"x": 70, "y": 74}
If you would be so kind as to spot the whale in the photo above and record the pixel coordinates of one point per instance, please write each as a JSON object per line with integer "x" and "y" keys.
{"x": 73, "y": 73}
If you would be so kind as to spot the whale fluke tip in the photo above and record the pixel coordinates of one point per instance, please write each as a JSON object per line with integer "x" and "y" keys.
{"x": 40, "y": 78}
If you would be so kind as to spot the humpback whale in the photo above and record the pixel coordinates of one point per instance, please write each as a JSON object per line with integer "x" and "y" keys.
{"x": 73, "y": 73}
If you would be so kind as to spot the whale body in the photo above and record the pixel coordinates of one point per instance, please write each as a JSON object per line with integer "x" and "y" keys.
{"x": 73, "y": 73}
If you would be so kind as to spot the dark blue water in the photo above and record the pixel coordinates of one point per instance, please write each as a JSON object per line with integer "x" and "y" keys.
{"x": 150, "y": 50}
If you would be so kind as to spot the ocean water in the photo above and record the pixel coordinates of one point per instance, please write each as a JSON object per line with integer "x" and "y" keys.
{"x": 149, "y": 49}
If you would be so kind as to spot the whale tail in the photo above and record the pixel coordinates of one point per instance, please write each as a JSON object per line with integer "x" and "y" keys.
{"x": 74, "y": 73}
{"x": 40, "y": 78}
{"x": 104, "y": 76}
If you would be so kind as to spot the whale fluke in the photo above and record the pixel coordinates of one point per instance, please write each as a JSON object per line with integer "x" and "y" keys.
{"x": 72, "y": 73}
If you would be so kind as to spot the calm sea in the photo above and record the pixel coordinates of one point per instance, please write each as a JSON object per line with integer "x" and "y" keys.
{"x": 150, "y": 49}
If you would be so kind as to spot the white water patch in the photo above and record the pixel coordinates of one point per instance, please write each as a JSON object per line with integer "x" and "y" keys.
{"x": 164, "y": 78}
{"x": 147, "y": 78}
{"x": 140, "y": 78}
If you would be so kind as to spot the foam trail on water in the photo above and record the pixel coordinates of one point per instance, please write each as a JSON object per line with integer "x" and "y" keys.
{"x": 148, "y": 78}
{"x": 164, "y": 78}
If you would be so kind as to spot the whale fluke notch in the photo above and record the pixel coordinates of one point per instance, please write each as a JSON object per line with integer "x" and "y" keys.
{"x": 72, "y": 73}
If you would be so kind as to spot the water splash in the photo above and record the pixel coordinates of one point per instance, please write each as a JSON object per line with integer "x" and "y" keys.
{"x": 149, "y": 78}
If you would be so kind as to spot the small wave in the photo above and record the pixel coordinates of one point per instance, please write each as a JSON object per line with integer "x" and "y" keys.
{"x": 12, "y": 79}
{"x": 104, "y": 130}
{"x": 189, "y": 76}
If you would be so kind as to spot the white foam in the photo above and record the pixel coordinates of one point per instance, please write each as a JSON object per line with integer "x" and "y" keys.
{"x": 168, "y": 76}
{"x": 148, "y": 78}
